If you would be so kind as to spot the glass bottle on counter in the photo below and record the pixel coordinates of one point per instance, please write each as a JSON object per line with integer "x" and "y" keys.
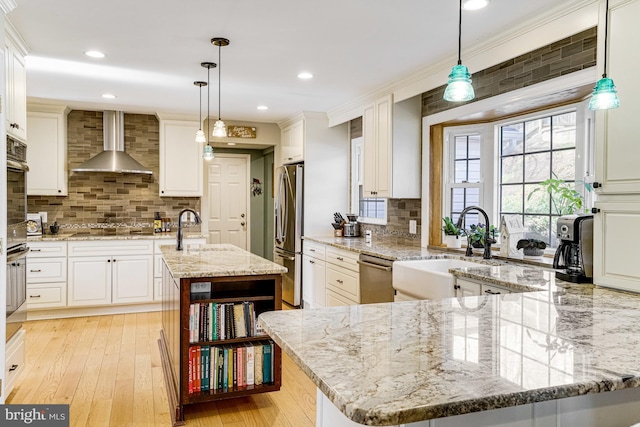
{"x": 157, "y": 223}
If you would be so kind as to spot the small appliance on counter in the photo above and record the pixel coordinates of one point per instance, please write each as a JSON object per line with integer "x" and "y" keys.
{"x": 34, "y": 224}
{"x": 351, "y": 228}
{"x": 575, "y": 249}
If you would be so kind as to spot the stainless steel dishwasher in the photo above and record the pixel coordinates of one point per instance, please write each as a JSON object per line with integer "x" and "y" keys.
{"x": 375, "y": 279}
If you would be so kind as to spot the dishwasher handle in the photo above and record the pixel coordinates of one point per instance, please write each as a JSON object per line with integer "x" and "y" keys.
{"x": 379, "y": 267}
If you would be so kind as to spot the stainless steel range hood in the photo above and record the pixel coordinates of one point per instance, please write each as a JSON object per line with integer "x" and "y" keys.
{"x": 113, "y": 158}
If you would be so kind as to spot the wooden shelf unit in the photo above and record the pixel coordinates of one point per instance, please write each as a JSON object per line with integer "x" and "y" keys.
{"x": 264, "y": 290}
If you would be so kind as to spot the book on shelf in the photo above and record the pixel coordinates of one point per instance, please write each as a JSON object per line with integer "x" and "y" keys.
{"x": 239, "y": 320}
{"x": 211, "y": 321}
{"x": 250, "y": 364}
{"x": 257, "y": 349}
{"x": 266, "y": 363}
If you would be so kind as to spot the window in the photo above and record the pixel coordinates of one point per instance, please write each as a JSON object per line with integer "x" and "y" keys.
{"x": 369, "y": 210}
{"x": 532, "y": 151}
{"x": 497, "y": 165}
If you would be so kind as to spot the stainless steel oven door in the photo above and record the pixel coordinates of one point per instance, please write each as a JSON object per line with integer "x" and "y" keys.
{"x": 16, "y": 291}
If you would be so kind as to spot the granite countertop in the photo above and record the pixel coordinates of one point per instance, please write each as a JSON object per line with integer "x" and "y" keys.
{"x": 417, "y": 360}
{"x": 111, "y": 234}
{"x": 221, "y": 260}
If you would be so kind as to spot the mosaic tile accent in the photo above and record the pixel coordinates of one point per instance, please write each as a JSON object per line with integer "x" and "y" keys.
{"x": 399, "y": 212}
{"x": 104, "y": 200}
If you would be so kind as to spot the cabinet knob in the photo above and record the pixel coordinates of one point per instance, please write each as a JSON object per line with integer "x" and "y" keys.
{"x": 162, "y": 191}
{"x": 13, "y": 368}
{"x": 339, "y": 281}
{"x": 59, "y": 191}
{"x": 242, "y": 223}
{"x": 34, "y": 296}
{"x": 596, "y": 185}
{"x": 340, "y": 258}
{"x": 595, "y": 210}
{"x": 456, "y": 286}
{"x": 108, "y": 260}
{"x": 311, "y": 261}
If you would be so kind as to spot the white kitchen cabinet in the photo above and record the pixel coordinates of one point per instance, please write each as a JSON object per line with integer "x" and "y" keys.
{"x": 180, "y": 159}
{"x": 617, "y": 224}
{"x": 617, "y": 149}
{"x": 47, "y": 153}
{"x": 46, "y": 275}
{"x": 343, "y": 277}
{"x": 313, "y": 275}
{"x": 616, "y": 231}
{"x": 16, "y": 84}
{"x": 292, "y": 143}
{"x": 110, "y": 272}
{"x": 15, "y": 360}
{"x": 470, "y": 288}
{"x": 391, "y": 135}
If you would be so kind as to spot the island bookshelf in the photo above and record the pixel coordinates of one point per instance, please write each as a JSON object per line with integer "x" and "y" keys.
{"x": 263, "y": 292}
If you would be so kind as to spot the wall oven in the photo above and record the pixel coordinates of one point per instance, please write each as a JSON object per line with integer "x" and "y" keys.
{"x": 16, "y": 235}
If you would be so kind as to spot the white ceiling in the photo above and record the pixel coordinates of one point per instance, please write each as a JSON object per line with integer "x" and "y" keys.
{"x": 154, "y": 49}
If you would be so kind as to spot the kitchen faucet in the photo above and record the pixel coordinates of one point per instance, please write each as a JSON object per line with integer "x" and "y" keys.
{"x": 179, "y": 234}
{"x": 487, "y": 237}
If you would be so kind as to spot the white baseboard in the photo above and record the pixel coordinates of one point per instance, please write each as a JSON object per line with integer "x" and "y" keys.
{"x": 66, "y": 312}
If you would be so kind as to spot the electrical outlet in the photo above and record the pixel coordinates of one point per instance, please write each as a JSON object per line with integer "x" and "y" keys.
{"x": 413, "y": 226}
{"x": 44, "y": 216}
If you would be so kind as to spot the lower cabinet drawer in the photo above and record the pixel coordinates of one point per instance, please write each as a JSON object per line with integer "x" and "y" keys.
{"x": 344, "y": 283}
{"x": 334, "y": 299}
{"x": 49, "y": 296}
{"x": 15, "y": 360}
{"x": 43, "y": 270}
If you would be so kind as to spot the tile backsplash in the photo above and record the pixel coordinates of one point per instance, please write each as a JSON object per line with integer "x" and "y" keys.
{"x": 106, "y": 199}
{"x": 399, "y": 212}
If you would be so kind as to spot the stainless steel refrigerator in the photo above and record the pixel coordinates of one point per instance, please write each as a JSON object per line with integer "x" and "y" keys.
{"x": 288, "y": 230}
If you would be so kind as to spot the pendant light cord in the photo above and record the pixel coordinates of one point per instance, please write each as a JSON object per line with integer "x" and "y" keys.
{"x": 460, "y": 35}
{"x": 200, "y": 115}
{"x": 219, "y": 76}
{"x": 606, "y": 32}
{"x": 208, "y": 115}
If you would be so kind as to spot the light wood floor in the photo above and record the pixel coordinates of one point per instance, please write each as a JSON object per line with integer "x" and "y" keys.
{"x": 108, "y": 369}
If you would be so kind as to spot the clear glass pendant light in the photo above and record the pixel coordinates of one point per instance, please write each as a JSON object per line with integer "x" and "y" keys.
{"x": 200, "y": 136}
{"x": 208, "y": 149}
{"x": 219, "y": 128}
{"x": 459, "y": 86}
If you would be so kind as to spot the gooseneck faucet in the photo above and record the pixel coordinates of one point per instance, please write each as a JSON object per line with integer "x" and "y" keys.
{"x": 487, "y": 237}
{"x": 179, "y": 234}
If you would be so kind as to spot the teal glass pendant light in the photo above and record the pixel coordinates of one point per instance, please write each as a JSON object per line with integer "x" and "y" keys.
{"x": 219, "y": 128}
{"x": 200, "y": 136}
{"x": 605, "y": 95}
{"x": 208, "y": 149}
{"x": 459, "y": 86}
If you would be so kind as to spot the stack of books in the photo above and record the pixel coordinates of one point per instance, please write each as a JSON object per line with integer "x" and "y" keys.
{"x": 210, "y": 321}
{"x": 229, "y": 367}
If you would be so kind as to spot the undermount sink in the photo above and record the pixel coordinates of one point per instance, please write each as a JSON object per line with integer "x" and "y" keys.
{"x": 427, "y": 278}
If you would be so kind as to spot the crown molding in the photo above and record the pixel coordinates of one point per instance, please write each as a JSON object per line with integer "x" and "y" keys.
{"x": 7, "y": 5}
{"x": 13, "y": 34}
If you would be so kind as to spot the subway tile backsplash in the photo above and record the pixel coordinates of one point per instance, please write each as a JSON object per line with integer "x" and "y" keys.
{"x": 108, "y": 199}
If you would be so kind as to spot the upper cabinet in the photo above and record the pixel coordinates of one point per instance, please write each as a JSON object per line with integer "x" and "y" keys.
{"x": 47, "y": 150}
{"x": 16, "y": 78}
{"x": 392, "y": 148}
{"x": 617, "y": 147}
{"x": 292, "y": 144}
{"x": 180, "y": 159}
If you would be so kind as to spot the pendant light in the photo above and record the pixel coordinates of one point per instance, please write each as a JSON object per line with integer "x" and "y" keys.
{"x": 208, "y": 149}
{"x": 459, "y": 85}
{"x": 219, "y": 128}
{"x": 604, "y": 96}
{"x": 200, "y": 136}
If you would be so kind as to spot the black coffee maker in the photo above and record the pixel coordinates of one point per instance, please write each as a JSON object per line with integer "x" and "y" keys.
{"x": 574, "y": 255}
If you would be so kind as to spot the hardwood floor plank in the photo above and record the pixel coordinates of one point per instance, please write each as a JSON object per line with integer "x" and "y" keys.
{"x": 108, "y": 368}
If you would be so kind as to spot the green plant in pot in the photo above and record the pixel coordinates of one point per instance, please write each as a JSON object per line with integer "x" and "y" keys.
{"x": 565, "y": 199}
{"x": 451, "y": 233}
{"x": 531, "y": 247}
{"x": 476, "y": 234}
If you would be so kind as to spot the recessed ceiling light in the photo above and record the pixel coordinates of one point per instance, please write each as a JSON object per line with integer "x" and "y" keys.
{"x": 231, "y": 143}
{"x": 262, "y": 107}
{"x": 305, "y": 75}
{"x": 474, "y": 4}
{"x": 108, "y": 96}
{"x": 94, "y": 54}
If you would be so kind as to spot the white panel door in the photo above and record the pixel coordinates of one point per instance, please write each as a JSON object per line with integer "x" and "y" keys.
{"x": 89, "y": 281}
{"x": 228, "y": 199}
{"x": 132, "y": 278}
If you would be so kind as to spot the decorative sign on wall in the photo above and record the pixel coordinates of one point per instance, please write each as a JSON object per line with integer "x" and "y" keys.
{"x": 241, "y": 132}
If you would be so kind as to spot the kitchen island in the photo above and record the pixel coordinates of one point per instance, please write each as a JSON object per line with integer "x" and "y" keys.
{"x": 564, "y": 356}
{"x": 196, "y": 280}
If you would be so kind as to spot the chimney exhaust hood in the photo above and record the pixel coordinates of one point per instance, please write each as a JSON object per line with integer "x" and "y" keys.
{"x": 113, "y": 158}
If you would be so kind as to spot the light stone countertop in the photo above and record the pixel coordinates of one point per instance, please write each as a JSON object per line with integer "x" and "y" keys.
{"x": 119, "y": 235}
{"x": 220, "y": 260}
{"x": 392, "y": 248}
{"x": 403, "y": 362}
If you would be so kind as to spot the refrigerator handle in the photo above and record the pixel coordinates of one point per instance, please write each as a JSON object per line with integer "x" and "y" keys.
{"x": 288, "y": 258}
